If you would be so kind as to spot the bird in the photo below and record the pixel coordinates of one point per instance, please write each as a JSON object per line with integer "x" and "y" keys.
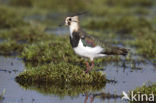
{"x": 88, "y": 46}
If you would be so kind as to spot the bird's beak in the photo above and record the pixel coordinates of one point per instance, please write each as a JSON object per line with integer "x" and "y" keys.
{"x": 61, "y": 24}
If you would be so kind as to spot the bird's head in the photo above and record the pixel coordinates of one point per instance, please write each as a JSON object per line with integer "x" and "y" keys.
{"x": 71, "y": 20}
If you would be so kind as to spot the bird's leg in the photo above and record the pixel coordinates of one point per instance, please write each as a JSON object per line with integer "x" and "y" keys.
{"x": 88, "y": 67}
{"x": 86, "y": 98}
{"x": 92, "y": 65}
{"x": 91, "y": 99}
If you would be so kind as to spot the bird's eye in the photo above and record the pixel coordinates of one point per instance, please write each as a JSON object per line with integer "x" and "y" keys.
{"x": 69, "y": 19}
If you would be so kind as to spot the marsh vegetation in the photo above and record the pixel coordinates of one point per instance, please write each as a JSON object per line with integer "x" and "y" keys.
{"x": 49, "y": 57}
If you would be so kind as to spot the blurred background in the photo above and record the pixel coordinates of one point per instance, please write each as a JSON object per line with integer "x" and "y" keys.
{"x": 129, "y": 18}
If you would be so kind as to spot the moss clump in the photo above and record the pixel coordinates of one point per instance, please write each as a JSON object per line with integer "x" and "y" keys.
{"x": 9, "y": 18}
{"x": 81, "y": 5}
{"x": 60, "y": 73}
{"x": 146, "y": 90}
{"x": 55, "y": 50}
{"x": 129, "y": 2}
{"x": 123, "y": 24}
{"x": 15, "y": 39}
{"x": 61, "y": 6}
{"x": 25, "y": 34}
{"x": 147, "y": 49}
{"x": 145, "y": 41}
{"x": 25, "y": 3}
{"x": 10, "y": 47}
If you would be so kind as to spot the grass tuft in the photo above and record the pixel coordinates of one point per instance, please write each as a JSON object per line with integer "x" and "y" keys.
{"x": 146, "y": 90}
{"x": 9, "y": 18}
{"x": 61, "y": 73}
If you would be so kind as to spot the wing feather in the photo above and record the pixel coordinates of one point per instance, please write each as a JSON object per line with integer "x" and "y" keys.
{"x": 93, "y": 41}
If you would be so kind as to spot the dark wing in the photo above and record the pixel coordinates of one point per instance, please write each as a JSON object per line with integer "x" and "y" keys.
{"x": 112, "y": 50}
{"x": 87, "y": 40}
{"x": 93, "y": 41}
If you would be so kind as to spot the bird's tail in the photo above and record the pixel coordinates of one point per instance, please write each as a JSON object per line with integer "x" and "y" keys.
{"x": 116, "y": 51}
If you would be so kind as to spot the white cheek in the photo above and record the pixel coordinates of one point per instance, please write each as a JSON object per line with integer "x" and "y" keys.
{"x": 66, "y": 22}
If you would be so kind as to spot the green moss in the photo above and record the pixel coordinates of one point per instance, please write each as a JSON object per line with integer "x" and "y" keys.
{"x": 10, "y": 47}
{"x": 123, "y": 24}
{"x": 146, "y": 90}
{"x": 60, "y": 73}
{"x": 130, "y": 2}
{"x": 99, "y": 7}
{"x": 88, "y": 5}
{"x": 146, "y": 48}
{"x": 25, "y": 3}
{"x": 145, "y": 43}
{"x": 9, "y": 18}
{"x": 61, "y": 6}
{"x": 25, "y": 34}
{"x": 55, "y": 50}
{"x": 116, "y": 10}
{"x": 16, "y": 39}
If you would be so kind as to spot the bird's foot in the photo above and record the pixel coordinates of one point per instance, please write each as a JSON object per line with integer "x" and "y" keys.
{"x": 92, "y": 65}
{"x": 89, "y": 68}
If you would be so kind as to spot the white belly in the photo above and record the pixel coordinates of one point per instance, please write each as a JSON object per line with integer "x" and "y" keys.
{"x": 90, "y": 52}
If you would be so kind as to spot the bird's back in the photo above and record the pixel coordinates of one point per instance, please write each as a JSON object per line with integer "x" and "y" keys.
{"x": 108, "y": 49}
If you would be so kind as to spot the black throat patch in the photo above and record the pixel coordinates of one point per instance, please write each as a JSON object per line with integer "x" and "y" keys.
{"x": 74, "y": 41}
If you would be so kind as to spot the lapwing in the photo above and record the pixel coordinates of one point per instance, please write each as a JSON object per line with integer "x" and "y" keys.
{"x": 88, "y": 46}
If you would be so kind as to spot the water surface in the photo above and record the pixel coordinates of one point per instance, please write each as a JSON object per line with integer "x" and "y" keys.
{"x": 127, "y": 78}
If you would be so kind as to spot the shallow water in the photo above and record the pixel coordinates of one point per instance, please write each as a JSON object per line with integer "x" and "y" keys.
{"x": 127, "y": 79}
{"x": 57, "y": 31}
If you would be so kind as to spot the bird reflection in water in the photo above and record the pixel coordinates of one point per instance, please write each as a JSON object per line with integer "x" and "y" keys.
{"x": 102, "y": 95}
